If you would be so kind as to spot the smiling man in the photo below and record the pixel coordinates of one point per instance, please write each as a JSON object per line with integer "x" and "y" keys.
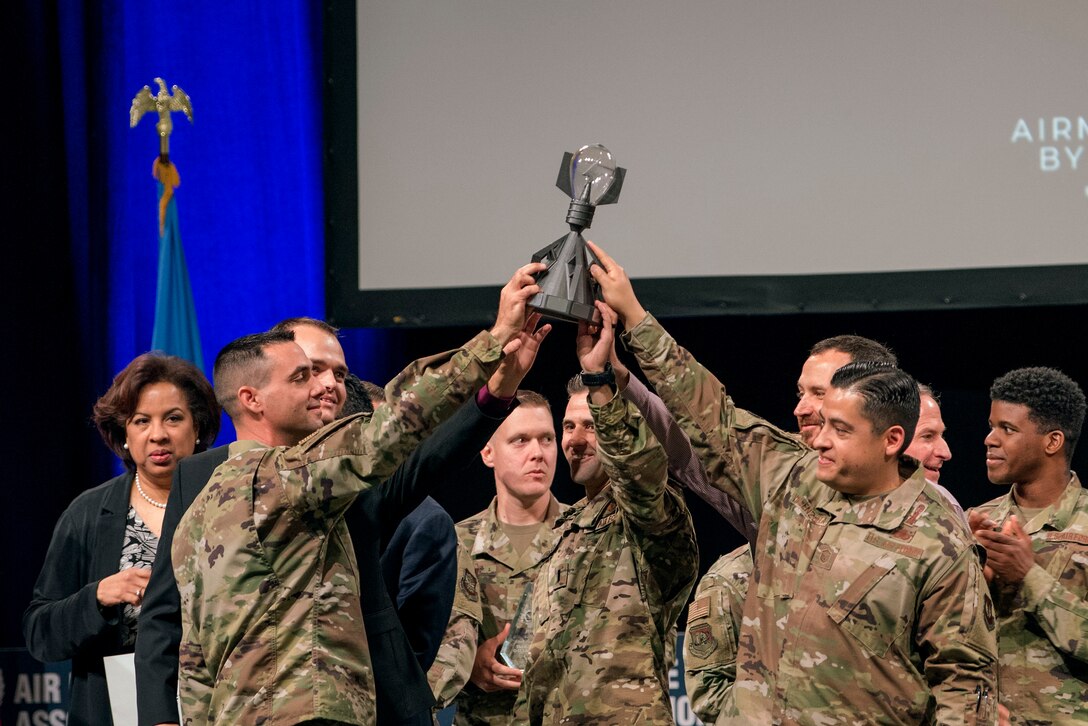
{"x": 272, "y": 621}
{"x": 714, "y": 620}
{"x": 607, "y": 598}
{"x": 929, "y": 447}
{"x": 319, "y": 341}
{"x": 824, "y": 358}
{"x": 868, "y": 601}
{"x": 1036, "y": 539}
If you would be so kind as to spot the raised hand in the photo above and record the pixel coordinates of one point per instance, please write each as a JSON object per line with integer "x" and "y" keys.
{"x": 513, "y": 302}
{"x": 518, "y": 357}
{"x": 594, "y": 343}
{"x": 616, "y": 288}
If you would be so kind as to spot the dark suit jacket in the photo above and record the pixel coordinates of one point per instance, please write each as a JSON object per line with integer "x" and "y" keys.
{"x": 419, "y": 565}
{"x": 63, "y": 619}
{"x": 402, "y": 691}
{"x": 158, "y": 633}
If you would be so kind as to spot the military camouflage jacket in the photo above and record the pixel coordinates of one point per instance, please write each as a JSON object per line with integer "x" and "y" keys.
{"x": 605, "y": 602}
{"x": 452, "y": 665}
{"x": 710, "y": 639}
{"x": 865, "y": 610}
{"x": 272, "y": 630}
{"x": 1043, "y": 623}
{"x": 491, "y": 580}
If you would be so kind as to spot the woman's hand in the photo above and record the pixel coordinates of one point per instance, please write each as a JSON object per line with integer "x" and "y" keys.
{"x": 127, "y": 586}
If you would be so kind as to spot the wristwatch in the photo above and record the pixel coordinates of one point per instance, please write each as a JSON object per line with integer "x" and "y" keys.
{"x": 607, "y": 377}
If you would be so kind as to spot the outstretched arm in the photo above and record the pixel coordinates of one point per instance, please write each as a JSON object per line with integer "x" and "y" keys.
{"x": 654, "y": 512}
{"x": 742, "y": 455}
{"x": 424, "y": 395}
{"x": 684, "y": 464}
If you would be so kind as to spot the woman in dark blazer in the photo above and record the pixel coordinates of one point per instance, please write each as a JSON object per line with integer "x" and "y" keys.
{"x": 158, "y": 410}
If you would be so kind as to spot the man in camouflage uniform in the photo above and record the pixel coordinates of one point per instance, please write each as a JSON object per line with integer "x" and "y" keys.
{"x": 499, "y": 551}
{"x": 271, "y": 618}
{"x": 606, "y": 600}
{"x": 450, "y": 671}
{"x": 710, "y": 641}
{"x": 714, "y": 617}
{"x": 1036, "y": 537}
{"x": 868, "y": 599}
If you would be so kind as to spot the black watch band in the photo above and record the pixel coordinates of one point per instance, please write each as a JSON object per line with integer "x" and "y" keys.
{"x": 607, "y": 377}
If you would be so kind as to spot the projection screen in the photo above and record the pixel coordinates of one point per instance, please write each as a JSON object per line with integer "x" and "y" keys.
{"x": 781, "y": 156}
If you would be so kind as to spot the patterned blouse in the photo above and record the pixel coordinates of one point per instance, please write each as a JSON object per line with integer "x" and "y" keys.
{"x": 137, "y": 551}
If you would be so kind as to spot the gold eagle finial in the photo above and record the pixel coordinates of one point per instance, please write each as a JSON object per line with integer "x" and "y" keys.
{"x": 164, "y": 103}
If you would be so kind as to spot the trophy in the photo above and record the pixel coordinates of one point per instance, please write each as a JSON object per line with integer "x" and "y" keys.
{"x": 590, "y": 177}
{"x": 515, "y": 649}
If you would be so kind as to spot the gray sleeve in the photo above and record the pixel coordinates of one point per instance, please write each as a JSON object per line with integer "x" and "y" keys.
{"x": 684, "y": 466}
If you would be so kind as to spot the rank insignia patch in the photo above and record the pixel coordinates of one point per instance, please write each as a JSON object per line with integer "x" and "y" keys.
{"x": 988, "y": 612}
{"x": 470, "y": 586}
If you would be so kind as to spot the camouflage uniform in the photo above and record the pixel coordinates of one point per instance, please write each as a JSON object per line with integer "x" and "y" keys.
{"x": 1043, "y": 623}
{"x": 492, "y": 576}
{"x": 710, "y": 643}
{"x": 606, "y": 601}
{"x": 865, "y": 610}
{"x": 453, "y": 664}
{"x": 272, "y": 629}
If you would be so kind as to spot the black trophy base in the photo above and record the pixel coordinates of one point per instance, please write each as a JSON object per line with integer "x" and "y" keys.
{"x": 551, "y": 306}
{"x": 567, "y": 290}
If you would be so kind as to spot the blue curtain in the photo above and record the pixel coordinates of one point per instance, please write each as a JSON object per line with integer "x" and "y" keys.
{"x": 81, "y": 216}
{"x": 250, "y": 197}
{"x": 252, "y": 158}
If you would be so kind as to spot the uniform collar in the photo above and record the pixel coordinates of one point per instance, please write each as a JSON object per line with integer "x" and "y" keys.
{"x": 586, "y": 513}
{"x": 1056, "y": 517}
{"x": 492, "y": 541}
{"x": 885, "y": 511}
{"x": 243, "y": 445}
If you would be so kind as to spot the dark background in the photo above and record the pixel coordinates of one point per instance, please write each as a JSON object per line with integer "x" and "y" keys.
{"x": 758, "y": 358}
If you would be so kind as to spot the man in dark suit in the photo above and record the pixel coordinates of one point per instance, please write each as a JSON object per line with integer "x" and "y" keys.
{"x": 418, "y": 551}
{"x": 402, "y": 691}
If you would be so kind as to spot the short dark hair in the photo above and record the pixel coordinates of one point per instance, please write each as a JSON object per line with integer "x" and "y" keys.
{"x": 292, "y": 323}
{"x": 1054, "y": 400}
{"x": 889, "y": 395}
{"x": 575, "y": 385}
{"x": 116, "y": 406}
{"x": 358, "y": 397}
{"x": 242, "y": 362}
{"x": 859, "y": 349}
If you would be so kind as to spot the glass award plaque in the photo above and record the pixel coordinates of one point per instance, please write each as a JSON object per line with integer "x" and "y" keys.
{"x": 515, "y": 649}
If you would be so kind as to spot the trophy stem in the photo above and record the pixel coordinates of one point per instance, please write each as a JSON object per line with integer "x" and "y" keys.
{"x": 579, "y": 215}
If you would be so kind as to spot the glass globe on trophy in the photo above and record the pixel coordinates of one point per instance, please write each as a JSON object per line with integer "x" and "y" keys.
{"x": 590, "y": 178}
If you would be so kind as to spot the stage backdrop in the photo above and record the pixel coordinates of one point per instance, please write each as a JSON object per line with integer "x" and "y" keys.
{"x": 834, "y": 156}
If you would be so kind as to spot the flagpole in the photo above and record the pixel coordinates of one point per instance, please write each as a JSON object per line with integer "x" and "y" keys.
{"x": 175, "y": 331}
